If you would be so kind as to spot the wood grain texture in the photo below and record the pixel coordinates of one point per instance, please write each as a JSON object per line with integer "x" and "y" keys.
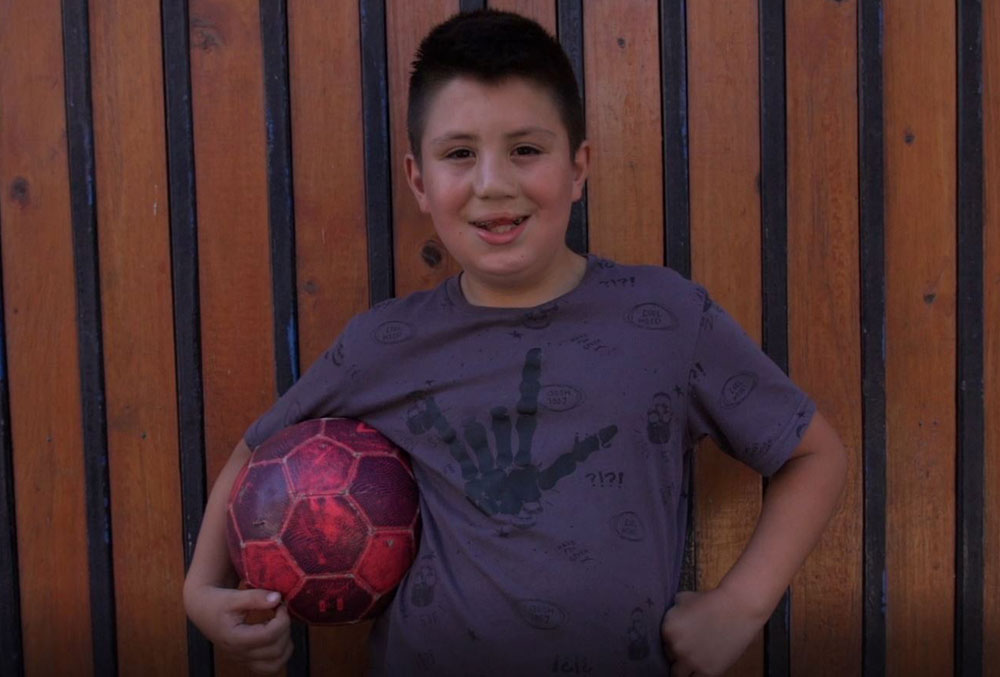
{"x": 330, "y": 233}
{"x": 920, "y": 126}
{"x": 542, "y": 11}
{"x": 233, "y": 234}
{"x": 991, "y": 313}
{"x": 134, "y": 239}
{"x": 622, "y": 73}
{"x": 421, "y": 260}
{"x": 723, "y": 105}
{"x": 824, "y": 312}
{"x": 44, "y": 368}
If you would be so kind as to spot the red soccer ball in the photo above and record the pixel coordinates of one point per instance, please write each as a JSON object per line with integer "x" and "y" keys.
{"x": 326, "y": 513}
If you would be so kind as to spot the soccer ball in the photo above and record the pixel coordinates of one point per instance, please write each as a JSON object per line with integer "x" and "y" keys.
{"x": 326, "y": 513}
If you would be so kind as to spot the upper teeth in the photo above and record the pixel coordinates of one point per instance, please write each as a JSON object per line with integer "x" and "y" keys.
{"x": 487, "y": 224}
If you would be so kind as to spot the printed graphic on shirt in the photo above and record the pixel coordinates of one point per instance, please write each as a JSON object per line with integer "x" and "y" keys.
{"x": 498, "y": 480}
{"x": 540, "y": 318}
{"x": 659, "y": 417}
{"x": 636, "y": 636}
{"x": 422, "y": 587}
{"x": 541, "y": 614}
{"x": 560, "y": 397}
{"x": 737, "y": 389}
{"x": 628, "y": 526}
{"x": 652, "y": 316}
{"x": 393, "y": 331}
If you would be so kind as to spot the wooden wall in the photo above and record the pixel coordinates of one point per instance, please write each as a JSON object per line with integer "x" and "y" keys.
{"x": 196, "y": 195}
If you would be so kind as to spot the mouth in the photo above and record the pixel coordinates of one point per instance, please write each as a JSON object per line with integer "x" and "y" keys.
{"x": 500, "y": 225}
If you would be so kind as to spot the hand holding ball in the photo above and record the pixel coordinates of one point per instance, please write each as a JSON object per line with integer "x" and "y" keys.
{"x": 326, "y": 513}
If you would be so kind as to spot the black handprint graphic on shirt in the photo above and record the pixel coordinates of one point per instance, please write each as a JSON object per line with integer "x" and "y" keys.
{"x": 506, "y": 483}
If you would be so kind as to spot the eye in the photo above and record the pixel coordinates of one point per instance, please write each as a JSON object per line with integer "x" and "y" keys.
{"x": 459, "y": 154}
{"x": 526, "y": 150}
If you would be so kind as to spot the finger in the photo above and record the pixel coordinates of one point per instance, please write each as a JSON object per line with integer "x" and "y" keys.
{"x": 247, "y": 637}
{"x": 475, "y": 437}
{"x": 527, "y": 406}
{"x": 252, "y": 598}
{"x": 450, "y": 437}
{"x": 683, "y": 596}
{"x": 270, "y": 667}
{"x": 501, "y": 433}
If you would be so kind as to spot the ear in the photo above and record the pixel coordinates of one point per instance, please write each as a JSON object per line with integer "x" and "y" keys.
{"x": 416, "y": 181}
{"x": 581, "y": 167}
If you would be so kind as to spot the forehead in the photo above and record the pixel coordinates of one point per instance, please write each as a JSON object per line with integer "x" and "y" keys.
{"x": 468, "y": 106}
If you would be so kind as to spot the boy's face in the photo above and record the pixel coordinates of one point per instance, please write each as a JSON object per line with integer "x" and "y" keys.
{"x": 497, "y": 179}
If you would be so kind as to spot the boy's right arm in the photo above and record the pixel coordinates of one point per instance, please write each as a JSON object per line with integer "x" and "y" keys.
{"x": 211, "y": 601}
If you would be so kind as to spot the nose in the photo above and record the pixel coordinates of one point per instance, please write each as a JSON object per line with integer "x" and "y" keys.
{"x": 493, "y": 177}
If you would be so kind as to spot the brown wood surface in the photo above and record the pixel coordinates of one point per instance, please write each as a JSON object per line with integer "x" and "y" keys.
{"x": 920, "y": 135}
{"x": 622, "y": 71}
{"x": 823, "y": 312}
{"x": 991, "y": 313}
{"x": 233, "y": 235}
{"x": 138, "y": 331}
{"x": 330, "y": 236}
{"x": 542, "y": 11}
{"x": 725, "y": 254}
{"x": 421, "y": 261}
{"x": 41, "y": 342}
{"x": 625, "y": 222}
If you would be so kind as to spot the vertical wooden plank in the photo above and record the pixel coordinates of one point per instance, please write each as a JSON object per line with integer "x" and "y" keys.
{"x": 569, "y": 21}
{"x": 83, "y": 214}
{"x": 330, "y": 228}
{"x": 281, "y": 227}
{"x": 622, "y": 69}
{"x": 377, "y": 149}
{"x": 233, "y": 234}
{"x": 725, "y": 252}
{"x": 40, "y": 317}
{"x": 920, "y": 365}
{"x": 871, "y": 160}
{"x": 969, "y": 412}
{"x": 542, "y": 11}
{"x": 676, "y": 178}
{"x": 11, "y": 653}
{"x": 774, "y": 258}
{"x": 823, "y": 311}
{"x": 138, "y": 334}
{"x": 991, "y": 312}
{"x": 420, "y": 258}
{"x": 186, "y": 306}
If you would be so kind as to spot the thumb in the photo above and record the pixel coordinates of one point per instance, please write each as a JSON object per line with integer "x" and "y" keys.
{"x": 246, "y": 600}
{"x": 683, "y": 596}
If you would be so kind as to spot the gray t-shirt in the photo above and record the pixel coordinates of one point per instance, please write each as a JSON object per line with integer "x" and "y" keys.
{"x": 551, "y": 447}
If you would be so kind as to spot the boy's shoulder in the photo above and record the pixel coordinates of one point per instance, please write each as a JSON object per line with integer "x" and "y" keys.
{"x": 661, "y": 284}
{"x": 395, "y": 318}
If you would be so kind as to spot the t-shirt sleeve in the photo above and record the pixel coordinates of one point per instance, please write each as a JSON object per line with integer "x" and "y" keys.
{"x": 740, "y": 397}
{"x": 318, "y": 393}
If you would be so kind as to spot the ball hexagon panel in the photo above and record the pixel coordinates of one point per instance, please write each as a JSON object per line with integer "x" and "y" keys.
{"x": 325, "y": 534}
{"x": 331, "y": 600}
{"x": 386, "y": 559}
{"x": 285, "y": 440}
{"x": 320, "y": 467}
{"x": 269, "y": 565}
{"x": 262, "y": 502}
{"x": 384, "y": 489}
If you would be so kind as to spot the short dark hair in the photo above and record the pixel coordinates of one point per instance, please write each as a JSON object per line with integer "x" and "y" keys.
{"x": 491, "y": 46}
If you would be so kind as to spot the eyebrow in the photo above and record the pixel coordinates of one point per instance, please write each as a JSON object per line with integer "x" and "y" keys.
{"x": 518, "y": 133}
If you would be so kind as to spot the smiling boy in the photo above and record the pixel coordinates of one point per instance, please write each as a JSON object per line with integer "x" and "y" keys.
{"x": 550, "y": 403}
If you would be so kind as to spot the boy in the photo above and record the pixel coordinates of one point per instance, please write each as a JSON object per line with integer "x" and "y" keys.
{"x": 550, "y": 403}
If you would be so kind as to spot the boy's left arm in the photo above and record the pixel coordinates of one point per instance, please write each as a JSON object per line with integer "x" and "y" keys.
{"x": 704, "y": 633}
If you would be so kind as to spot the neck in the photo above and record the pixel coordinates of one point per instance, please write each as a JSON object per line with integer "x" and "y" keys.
{"x": 561, "y": 277}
